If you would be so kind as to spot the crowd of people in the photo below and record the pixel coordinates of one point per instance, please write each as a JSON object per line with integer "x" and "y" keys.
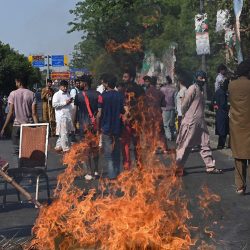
{"x": 175, "y": 113}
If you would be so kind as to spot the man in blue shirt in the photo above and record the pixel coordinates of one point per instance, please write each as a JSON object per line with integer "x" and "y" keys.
{"x": 110, "y": 110}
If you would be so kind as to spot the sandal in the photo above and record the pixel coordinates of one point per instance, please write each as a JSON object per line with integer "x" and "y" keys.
{"x": 241, "y": 191}
{"x": 213, "y": 170}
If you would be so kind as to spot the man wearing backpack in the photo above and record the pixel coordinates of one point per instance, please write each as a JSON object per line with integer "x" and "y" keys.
{"x": 168, "y": 112}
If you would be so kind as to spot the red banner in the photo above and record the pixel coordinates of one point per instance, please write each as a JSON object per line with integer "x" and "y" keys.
{"x": 60, "y": 75}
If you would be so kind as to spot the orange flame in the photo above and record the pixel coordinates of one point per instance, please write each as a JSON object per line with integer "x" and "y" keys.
{"x": 205, "y": 246}
{"x": 206, "y": 199}
{"x": 143, "y": 209}
{"x": 209, "y": 232}
{"x": 133, "y": 45}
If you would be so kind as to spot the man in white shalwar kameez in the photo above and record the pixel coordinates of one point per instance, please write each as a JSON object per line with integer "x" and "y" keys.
{"x": 193, "y": 130}
{"x": 63, "y": 110}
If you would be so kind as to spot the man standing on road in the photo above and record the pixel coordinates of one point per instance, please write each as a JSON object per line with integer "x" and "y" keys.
{"x": 73, "y": 92}
{"x": 221, "y": 77}
{"x": 103, "y": 86}
{"x": 179, "y": 97}
{"x": 22, "y": 105}
{"x": 46, "y": 96}
{"x": 63, "y": 109}
{"x": 154, "y": 102}
{"x": 221, "y": 118}
{"x": 239, "y": 124}
{"x": 48, "y": 111}
{"x": 111, "y": 107}
{"x": 168, "y": 113}
{"x": 133, "y": 93}
{"x": 86, "y": 108}
{"x": 193, "y": 130}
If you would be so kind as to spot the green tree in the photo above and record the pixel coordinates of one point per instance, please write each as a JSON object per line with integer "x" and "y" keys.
{"x": 85, "y": 52}
{"x": 158, "y": 23}
{"x": 244, "y": 20}
{"x": 11, "y": 64}
{"x": 120, "y": 21}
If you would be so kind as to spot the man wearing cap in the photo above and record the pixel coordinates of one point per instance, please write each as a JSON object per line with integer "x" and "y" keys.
{"x": 193, "y": 130}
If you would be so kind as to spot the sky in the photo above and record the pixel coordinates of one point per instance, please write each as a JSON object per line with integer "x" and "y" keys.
{"x": 38, "y": 26}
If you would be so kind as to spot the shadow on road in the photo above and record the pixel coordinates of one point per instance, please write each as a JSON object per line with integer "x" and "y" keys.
{"x": 16, "y": 232}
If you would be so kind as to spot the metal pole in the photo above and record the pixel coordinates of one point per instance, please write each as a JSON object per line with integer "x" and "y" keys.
{"x": 201, "y": 6}
{"x": 203, "y": 57}
{"x": 48, "y": 74}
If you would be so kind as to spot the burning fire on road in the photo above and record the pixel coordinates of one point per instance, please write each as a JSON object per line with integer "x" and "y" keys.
{"x": 144, "y": 208}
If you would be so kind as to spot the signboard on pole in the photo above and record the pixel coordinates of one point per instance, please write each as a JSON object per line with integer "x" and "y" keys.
{"x": 75, "y": 73}
{"x": 222, "y": 20}
{"x": 202, "y": 36}
{"x": 66, "y": 60}
{"x": 30, "y": 58}
{"x": 37, "y": 61}
{"x": 60, "y": 75}
{"x": 58, "y": 60}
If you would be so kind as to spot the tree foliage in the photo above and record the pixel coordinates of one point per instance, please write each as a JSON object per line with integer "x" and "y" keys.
{"x": 245, "y": 23}
{"x": 158, "y": 23}
{"x": 11, "y": 64}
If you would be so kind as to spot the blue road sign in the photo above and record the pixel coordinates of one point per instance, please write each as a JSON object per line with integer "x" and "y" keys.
{"x": 57, "y": 61}
{"x": 38, "y": 64}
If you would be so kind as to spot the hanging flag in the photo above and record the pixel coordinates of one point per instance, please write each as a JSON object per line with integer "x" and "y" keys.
{"x": 230, "y": 38}
{"x": 202, "y": 36}
{"x": 230, "y": 42}
{"x": 222, "y": 20}
{"x": 238, "y": 5}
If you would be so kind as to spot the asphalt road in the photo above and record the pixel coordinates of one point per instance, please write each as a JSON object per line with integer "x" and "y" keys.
{"x": 229, "y": 219}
